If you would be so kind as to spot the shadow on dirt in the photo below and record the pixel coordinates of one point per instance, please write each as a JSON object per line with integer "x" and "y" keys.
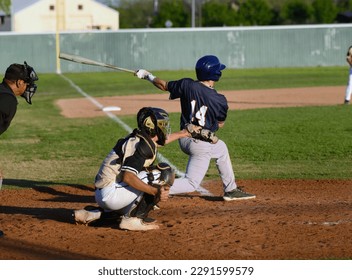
{"x": 36, "y": 184}
{"x": 35, "y": 251}
{"x": 196, "y": 195}
{"x": 49, "y": 192}
{"x": 55, "y": 189}
{"x": 58, "y": 214}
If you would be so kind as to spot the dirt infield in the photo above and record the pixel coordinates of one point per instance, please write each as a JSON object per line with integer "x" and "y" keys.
{"x": 237, "y": 100}
{"x": 289, "y": 219}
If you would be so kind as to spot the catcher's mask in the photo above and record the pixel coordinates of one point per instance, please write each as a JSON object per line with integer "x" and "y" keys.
{"x": 154, "y": 121}
{"x": 26, "y": 73}
{"x": 208, "y": 68}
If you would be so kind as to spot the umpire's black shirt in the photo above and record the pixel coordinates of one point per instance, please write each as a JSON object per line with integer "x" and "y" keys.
{"x": 8, "y": 106}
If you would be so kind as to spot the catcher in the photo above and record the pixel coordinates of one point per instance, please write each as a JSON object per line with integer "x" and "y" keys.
{"x": 128, "y": 184}
{"x": 203, "y": 112}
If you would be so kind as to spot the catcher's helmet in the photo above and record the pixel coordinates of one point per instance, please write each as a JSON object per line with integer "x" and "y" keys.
{"x": 209, "y": 68}
{"x": 154, "y": 121}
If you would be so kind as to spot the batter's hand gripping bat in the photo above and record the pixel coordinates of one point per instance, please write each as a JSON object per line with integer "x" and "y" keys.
{"x": 83, "y": 60}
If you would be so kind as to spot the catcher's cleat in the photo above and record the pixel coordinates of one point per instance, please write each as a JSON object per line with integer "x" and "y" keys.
{"x": 237, "y": 194}
{"x": 136, "y": 224}
{"x": 84, "y": 217}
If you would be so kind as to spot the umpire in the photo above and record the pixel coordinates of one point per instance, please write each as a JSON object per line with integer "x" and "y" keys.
{"x": 18, "y": 81}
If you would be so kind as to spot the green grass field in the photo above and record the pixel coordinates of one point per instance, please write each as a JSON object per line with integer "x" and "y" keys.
{"x": 42, "y": 147}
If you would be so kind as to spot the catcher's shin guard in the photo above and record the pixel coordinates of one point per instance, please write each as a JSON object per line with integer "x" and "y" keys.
{"x": 135, "y": 219}
{"x": 142, "y": 207}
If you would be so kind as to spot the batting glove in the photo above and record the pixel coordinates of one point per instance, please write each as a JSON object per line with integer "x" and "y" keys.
{"x": 144, "y": 74}
{"x": 197, "y": 132}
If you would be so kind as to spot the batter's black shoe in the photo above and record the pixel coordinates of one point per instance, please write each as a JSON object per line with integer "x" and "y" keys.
{"x": 346, "y": 102}
{"x": 237, "y": 194}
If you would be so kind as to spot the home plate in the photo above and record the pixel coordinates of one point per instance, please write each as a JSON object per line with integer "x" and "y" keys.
{"x": 111, "y": 108}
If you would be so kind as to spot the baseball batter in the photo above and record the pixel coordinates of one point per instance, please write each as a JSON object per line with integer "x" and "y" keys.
{"x": 203, "y": 106}
{"x": 349, "y": 84}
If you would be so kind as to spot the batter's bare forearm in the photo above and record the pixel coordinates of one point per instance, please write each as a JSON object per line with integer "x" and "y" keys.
{"x": 157, "y": 82}
{"x": 160, "y": 84}
{"x": 177, "y": 135}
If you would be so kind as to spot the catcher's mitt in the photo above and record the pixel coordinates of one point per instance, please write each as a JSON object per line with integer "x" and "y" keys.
{"x": 159, "y": 176}
{"x": 197, "y": 132}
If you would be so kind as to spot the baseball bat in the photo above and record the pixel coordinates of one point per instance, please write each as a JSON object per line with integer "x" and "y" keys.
{"x": 83, "y": 60}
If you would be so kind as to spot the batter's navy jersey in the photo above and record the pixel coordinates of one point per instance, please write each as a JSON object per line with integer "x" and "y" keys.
{"x": 200, "y": 105}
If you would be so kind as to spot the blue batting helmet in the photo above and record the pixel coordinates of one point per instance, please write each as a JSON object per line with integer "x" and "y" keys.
{"x": 209, "y": 68}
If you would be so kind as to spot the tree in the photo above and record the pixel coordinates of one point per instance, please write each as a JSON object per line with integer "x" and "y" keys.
{"x": 135, "y": 14}
{"x": 172, "y": 11}
{"x": 343, "y": 5}
{"x": 297, "y": 12}
{"x": 143, "y": 13}
{"x": 5, "y": 5}
{"x": 215, "y": 13}
{"x": 324, "y": 11}
{"x": 255, "y": 12}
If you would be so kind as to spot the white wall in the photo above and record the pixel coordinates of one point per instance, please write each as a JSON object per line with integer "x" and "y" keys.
{"x": 40, "y": 18}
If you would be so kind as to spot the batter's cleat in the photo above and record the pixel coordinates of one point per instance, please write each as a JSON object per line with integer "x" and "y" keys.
{"x": 346, "y": 102}
{"x": 84, "y": 217}
{"x": 136, "y": 224}
{"x": 237, "y": 194}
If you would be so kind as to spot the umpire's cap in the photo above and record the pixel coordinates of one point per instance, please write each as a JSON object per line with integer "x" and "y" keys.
{"x": 26, "y": 73}
{"x": 21, "y": 72}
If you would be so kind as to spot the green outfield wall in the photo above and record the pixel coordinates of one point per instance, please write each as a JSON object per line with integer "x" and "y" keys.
{"x": 176, "y": 49}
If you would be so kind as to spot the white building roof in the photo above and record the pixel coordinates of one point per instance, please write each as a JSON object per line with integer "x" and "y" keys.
{"x": 18, "y": 5}
{"x": 69, "y": 15}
